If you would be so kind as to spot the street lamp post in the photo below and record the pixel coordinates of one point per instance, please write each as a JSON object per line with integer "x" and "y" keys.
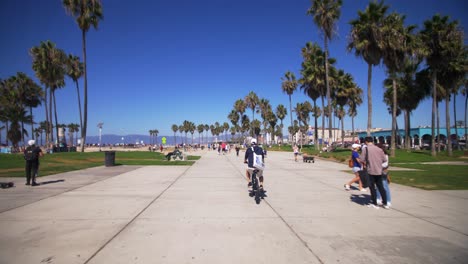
{"x": 100, "y": 132}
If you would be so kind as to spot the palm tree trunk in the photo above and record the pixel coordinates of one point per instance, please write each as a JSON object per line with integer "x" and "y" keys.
{"x": 79, "y": 103}
{"x": 56, "y": 119}
{"x": 352, "y": 127}
{"x": 455, "y": 119}
{"x": 47, "y": 118}
{"x": 51, "y": 126}
{"x": 369, "y": 99}
{"x": 327, "y": 84}
{"x": 290, "y": 114}
{"x": 323, "y": 119}
{"x": 434, "y": 109}
{"x": 315, "y": 127}
{"x": 438, "y": 128}
{"x": 394, "y": 110}
{"x": 342, "y": 131}
{"x": 32, "y": 123}
{"x": 447, "y": 124}
{"x": 466, "y": 108}
{"x": 407, "y": 130}
{"x": 85, "y": 112}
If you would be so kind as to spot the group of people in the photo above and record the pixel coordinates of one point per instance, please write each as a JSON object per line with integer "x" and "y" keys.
{"x": 374, "y": 159}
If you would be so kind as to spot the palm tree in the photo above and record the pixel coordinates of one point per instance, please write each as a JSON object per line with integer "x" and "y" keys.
{"x": 355, "y": 100}
{"x": 75, "y": 72}
{"x": 181, "y": 130}
{"x": 437, "y": 36}
{"x": 87, "y": 13}
{"x": 451, "y": 78}
{"x": 175, "y": 128}
{"x": 234, "y": 118}
{"x": 281, "y": 112}
{"x": 200, "y": 129}
{"x": 325, "y": 14}
{"x": 207, "y": 128}
{"x": 48, "y": 64}
{"x": 365, "y": 40}
{"x": 288, "y": 86}
{"x": 251, "y": 101}
{"x": 398, "y": 46}
{"x": 225, "y": 129}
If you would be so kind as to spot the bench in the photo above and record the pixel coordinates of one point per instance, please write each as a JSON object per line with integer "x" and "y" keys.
{"x": 308, "y": 159}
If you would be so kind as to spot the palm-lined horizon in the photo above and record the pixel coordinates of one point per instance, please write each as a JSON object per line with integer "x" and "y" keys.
{"x": 372, "y": 38}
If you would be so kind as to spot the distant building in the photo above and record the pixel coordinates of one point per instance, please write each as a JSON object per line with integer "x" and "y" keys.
{"x": 420, "y": 136}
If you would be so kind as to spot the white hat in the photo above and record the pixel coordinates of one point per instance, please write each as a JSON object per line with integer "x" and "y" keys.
{"x": 31, "y": 142}
{"x": 254, "y": 141}
{"x": 355, "y": 146}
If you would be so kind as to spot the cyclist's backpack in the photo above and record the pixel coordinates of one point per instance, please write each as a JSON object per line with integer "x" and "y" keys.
{"x": 29, "y": 154}
{"x": 257, "y": 161}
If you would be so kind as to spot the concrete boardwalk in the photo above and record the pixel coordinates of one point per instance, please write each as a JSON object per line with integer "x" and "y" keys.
{"x": 203, "y": 214}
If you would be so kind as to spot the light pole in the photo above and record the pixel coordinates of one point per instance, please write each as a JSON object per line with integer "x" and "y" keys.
{"x": 100, "y": 131}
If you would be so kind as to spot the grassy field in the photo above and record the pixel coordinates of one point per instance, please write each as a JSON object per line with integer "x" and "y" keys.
{"x": 425, "y": 176}
{"x": 13, "y": 165}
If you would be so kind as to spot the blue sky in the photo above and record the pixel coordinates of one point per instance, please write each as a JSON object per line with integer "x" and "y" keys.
{"x": 155, "y": 63}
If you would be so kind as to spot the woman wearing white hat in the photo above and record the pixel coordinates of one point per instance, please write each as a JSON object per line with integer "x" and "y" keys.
{"x": 357, "y": 165}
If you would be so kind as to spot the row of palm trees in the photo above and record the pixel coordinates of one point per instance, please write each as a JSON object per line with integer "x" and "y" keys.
{"x": 19, "y": 94}
{"x": 382, "y": 38}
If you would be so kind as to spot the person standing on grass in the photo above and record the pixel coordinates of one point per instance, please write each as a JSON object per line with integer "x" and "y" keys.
{"x": 373, "y": 163}
{"x": 31, "y": 155}
{"x": 357, "y": 165}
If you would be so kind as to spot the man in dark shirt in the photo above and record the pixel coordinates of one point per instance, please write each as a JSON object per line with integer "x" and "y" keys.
{"x": 248, "y": 158}
{"x": 31, "y": 155}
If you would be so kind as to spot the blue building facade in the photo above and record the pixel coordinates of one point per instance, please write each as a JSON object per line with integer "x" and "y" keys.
{"x": 419, "y": 136}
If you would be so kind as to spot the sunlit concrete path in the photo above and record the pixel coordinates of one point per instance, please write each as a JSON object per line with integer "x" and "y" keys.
{"x": 203, "y": 214}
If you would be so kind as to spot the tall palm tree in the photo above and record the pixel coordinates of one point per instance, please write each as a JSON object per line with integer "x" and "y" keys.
{"x": 30, "y": 95}
{"x": 365, "y": 40}
{"x": 181, "y": 130}
{"x": 225, "y": 129}
{"x": 325, "y": 14}
{"x": 48, "y": 64}
{"x": 451, "y": 78}
{"x": 288, "y": 86}
{"x": 200, "y": 129}
{"x": 355, "y": 100}
{"x": 437, "y": 36}
{"x": 87, "y": 13}
{"x": 398, "y": 46}
{"x": 175, "y": 128}
{"x": 281, "y": 112}
{"x": 251, "y": 101}
{"x": 207, "y": 128}
{"x": 75, "y": 72}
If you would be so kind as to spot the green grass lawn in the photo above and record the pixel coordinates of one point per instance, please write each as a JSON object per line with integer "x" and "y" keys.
{"x": 12, "y": 165}
{"x": 427, "y": 176}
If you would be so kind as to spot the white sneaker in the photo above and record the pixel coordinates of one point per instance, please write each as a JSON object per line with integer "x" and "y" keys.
{"x": 389, "y": 204}
{"x": 379, "y": 202}
{"x": 363, "y": 190}
{"x": 386, "y": 207}
{"x": 346, "y": 186}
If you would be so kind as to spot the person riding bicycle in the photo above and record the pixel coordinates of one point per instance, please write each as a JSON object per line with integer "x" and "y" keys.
{"x": 249, "y": 160}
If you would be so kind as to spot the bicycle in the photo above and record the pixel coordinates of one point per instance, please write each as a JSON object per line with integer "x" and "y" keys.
{"x": 256, "y": 192}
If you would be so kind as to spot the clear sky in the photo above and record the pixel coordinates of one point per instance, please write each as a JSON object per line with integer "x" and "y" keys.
{"x": 154, "y": 63}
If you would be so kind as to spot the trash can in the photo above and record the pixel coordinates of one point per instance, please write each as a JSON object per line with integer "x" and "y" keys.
{"x": 110, "y": 158}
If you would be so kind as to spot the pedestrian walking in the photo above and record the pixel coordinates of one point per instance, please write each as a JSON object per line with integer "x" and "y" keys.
{"x": 373, "y": 157}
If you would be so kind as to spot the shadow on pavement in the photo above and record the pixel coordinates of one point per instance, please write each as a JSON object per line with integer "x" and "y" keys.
{"x": 50, "y": 182}
{"x": 361, "y": 199}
